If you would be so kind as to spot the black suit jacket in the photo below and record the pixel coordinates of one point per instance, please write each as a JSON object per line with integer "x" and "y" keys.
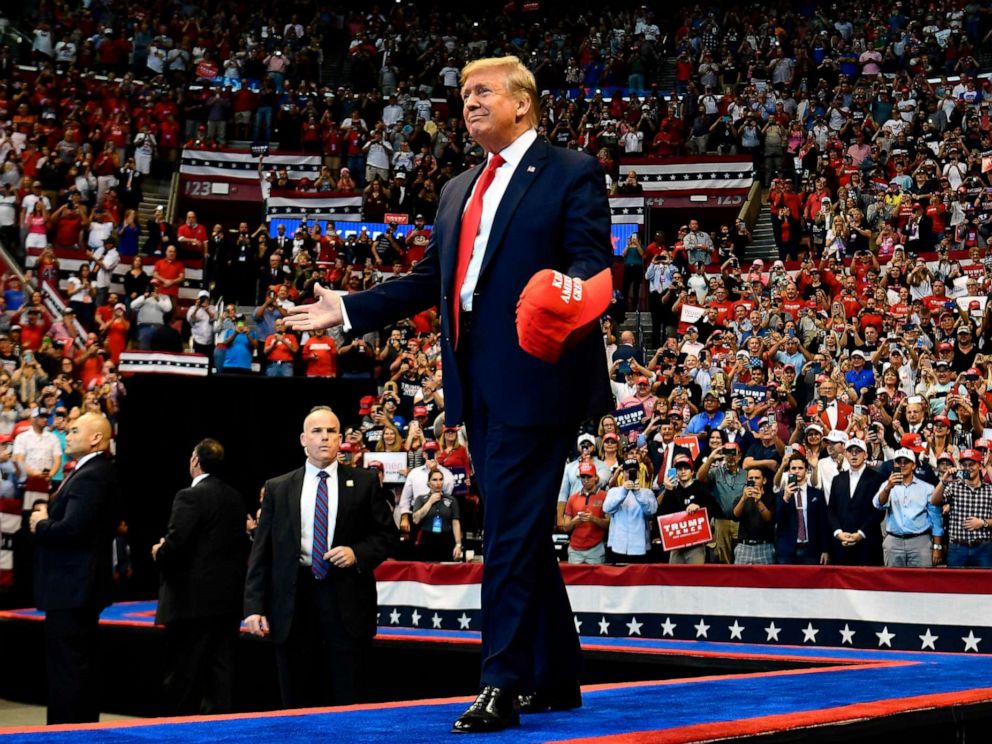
{"x": 73, "y": 567}
{"x": 553, "y": 215}
{"x": 363, "y": 523}
{"x": 818, "y": 534}
{"x": 852, "y": 512}
{"x": 156, "y": 242}
{"x": 202, "y": 562}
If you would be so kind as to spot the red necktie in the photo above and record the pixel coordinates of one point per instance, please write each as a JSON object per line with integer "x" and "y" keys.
{"x": 801, "y": 524}
{"x": 469, "y": 231}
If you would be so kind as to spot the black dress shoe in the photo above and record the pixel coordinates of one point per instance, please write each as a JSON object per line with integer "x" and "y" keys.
{"x": 494, "y": 710}
{"x": 563, "y": 698}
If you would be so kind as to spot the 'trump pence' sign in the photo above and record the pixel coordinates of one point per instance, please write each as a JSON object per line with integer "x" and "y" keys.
{"x": 683, "y": 530}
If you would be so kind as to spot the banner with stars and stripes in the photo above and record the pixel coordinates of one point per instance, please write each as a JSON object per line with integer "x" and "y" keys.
{"x": 627, "y": 210}
{"x": 314, "y": 205}
{"x": 817, "y": 606}
{"x": 243, "y": 165}
{"x": 695, "y": 176}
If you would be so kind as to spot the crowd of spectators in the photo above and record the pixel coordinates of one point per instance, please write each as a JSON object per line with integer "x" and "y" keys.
{"x": 867, "y": 123}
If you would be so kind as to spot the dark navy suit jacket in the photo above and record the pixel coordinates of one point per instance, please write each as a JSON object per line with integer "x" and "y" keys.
{"x": 553, "y": 215}
{"x": 818, "y": 532}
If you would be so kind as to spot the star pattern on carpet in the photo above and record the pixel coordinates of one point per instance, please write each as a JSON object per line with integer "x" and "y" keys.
{"x": 464, "y": 621}
{"x": 436, "y": 620}
{"x": 634, "y": 627}
{"x": 736, "y": 630}
{"x": 415, "y": 619}
{"x": 578, "y": 623}
{"x": 394, "y": 617}
{"x": 668, "y": 627}
{"x": 604, "y": 626}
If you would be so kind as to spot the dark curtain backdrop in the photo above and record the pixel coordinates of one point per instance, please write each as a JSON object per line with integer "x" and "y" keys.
{"x": 257, "y": 419}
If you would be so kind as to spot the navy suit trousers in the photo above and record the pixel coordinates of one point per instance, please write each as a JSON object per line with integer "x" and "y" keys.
{"x": 529, "y": 640}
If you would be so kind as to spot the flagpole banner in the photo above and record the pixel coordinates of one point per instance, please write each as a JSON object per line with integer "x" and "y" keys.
{"x": 243, "y": 165}
{"x": 817, "y": 606}
{"x": 627, "y": 210}
{"x": 315, "y": 205}
{"x": 698, "y": 176}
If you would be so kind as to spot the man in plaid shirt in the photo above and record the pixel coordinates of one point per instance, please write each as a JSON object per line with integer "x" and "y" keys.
{"x": 970, "y": 515}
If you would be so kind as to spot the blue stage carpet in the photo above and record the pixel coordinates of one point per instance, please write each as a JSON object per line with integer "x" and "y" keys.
{"x": 856, "y": 684}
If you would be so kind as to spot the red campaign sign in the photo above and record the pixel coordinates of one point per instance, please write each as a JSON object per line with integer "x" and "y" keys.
{"x": 206, "y": 70}
{"x": 399, "y": 219}
{"x": 683, "y": 530}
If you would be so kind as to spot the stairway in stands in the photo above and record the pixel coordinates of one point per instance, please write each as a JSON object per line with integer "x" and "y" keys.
{"x": 156, "y": 194}
{"x": 763, "y": 243}
{"x": 666, "y": 76}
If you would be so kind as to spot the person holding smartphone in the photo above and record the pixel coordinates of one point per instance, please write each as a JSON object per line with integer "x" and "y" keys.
{"x": 801, "y": 526}
{"x": 685, "y": 493}
{"x": 628, "y": 506}
{"x": 912, "y": 522}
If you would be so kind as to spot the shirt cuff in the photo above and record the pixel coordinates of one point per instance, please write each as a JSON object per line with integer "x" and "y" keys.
{"x": 345, "y": 320}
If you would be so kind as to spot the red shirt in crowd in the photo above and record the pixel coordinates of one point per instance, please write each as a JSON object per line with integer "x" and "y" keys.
{"x": 321, "y": 356}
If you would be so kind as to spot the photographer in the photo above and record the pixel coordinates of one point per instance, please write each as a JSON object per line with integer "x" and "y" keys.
{"x": 584, "y": 519}
{"x": 201, "y": 316}
{"x": 280, "y": 351}
{"x": 754, "y": 509}
{"x": 152, "y": 308}
{"x": 239, "y": 343}
{"x": 683, "y": 492}
{"x": 628, "y": 505}
{"x": 722, "y": 471}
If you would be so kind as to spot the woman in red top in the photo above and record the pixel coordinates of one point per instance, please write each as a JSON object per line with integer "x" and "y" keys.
{"x": 69, "y": 221}
{"x": 452, "y": 453}
{"x": 116, "y": 332}
{"x": 47, "y": 267}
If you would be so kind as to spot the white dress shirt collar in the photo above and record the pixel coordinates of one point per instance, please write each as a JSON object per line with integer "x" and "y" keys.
{"x": 513, "y": 153}
{"x": 312, "y": 470}
{"x": 198, "y": 479}
{"x": 85, "y": 459}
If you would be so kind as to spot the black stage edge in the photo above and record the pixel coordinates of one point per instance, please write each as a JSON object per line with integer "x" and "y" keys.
{"x": 257, "y": 419}
{"x": 411, "y": 670}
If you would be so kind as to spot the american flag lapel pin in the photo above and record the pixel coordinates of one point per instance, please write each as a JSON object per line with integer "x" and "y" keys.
{"x": 531, "y": 169}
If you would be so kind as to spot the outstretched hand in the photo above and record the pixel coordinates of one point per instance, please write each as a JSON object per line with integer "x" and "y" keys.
{"x": 324, "y": 313}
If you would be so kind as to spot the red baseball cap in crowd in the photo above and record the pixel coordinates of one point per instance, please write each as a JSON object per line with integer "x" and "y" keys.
{"x": 945, "y": 346}
{"x": 419, "y": 411}
{"x": 683, "y": 460}
{"x": 376, "y": 464}
{"x": 942, "y": 420}
{"x": 611, "y": 437}
{"x": 970, "y": 454}
{"x": 587, "y": 468}
{"x": 365, "y": 405}
{"x": 347, "y": 447}
{"x": 980, "y": 444}
{"x": 555, "y": 311}
{"x": 913, "y": 441}
{"x": 430, "y": 446}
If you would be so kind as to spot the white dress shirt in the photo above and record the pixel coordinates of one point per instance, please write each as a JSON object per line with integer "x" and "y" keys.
{"x": 308, "y": 502}
{"x": 512, "y": 154}
{"x": 198, "y": 479}
{"x": 855, "y": 476}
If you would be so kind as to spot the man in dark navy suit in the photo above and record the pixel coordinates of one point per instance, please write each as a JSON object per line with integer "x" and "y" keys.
{"x": 854, "y": 521}
{"x": 531, "y": 210}
{"x": 802, "y": 529}
{"x": 73, "y": 579}
{"x": 323, "y": 530}
{"x": 201, "y": 562}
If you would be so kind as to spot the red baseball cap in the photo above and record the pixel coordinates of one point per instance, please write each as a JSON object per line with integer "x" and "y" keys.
{"x": 419, "y": 411}
{"x": 555, "y": 311}
{"x": 683, "y": 460}
{"x": 971, "y": 454}
{"x": 365, "y": 404}
{"x": 376, "y": 464}
{"x": 587, "y": 468}
{"x": 610, "y": 436}
{"x": 430, "y": 446}
{"x": 945, "y": 347}
{"x": 347, "y": 447}
{"x": 912, "y": 441}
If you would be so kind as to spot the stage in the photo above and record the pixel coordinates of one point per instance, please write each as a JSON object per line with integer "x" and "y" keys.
{"x": 664, "y": 677}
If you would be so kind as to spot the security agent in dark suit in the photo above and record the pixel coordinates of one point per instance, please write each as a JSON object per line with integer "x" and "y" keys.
{"x": 201, "y": 562}
{"x": 802, "y": 530}
{"x": 73, "y": 578}
{"x": 323, "y": 530}
{"x": 854, "y": 520}
{"x": 544, "y": 208}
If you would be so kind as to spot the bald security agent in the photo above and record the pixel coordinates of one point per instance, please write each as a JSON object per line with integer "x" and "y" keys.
{"x": 530, "y": 225}
{"x": 323, "y": 530}
{"x": 73, "y": 578}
